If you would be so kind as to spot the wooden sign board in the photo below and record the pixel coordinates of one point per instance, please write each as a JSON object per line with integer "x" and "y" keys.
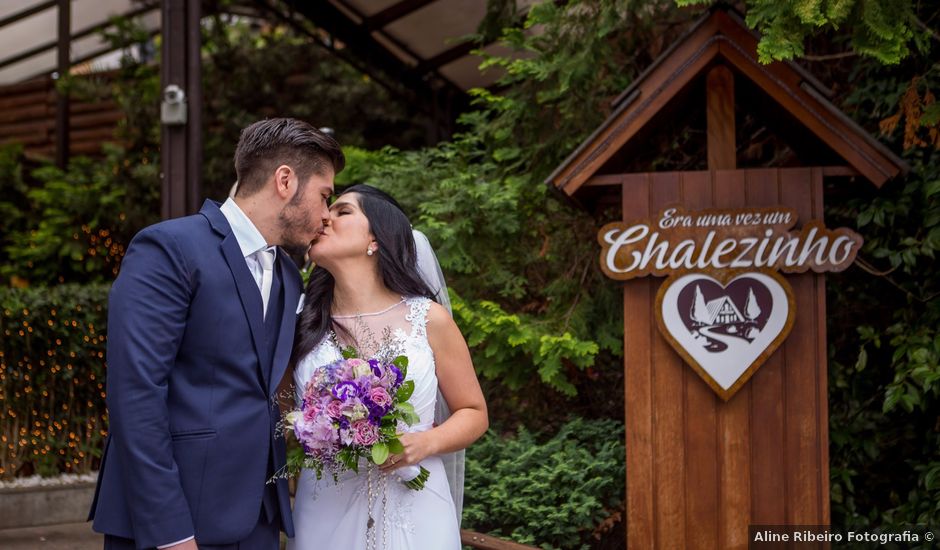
{"x": 724, "y": 307}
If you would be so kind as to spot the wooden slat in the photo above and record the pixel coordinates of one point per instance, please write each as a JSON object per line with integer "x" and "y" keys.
{"x": 768, "y": 465}
{"x": 94, "y": 107}
{"x": 733, "y": 418}
{"x": 95, "y": 119}
{"x": 638, "y": 374}
{"x": 669, "y": 446}
{"x": 604, "y": 179}
{"x": 838, "y": 171}
{"x": 25, "y": 139}
{"x": 24, "y": 113}
{"x": 701, "y": 437}
{"x": 487, "y": 542}
{"x": 822, "y": 374}
{"x": 94, "y": 134}
{"x": 802, "y": 436}
{"x": 16, "y": 101}
{"x": 719, "y": 111}
{"x": 28, "y": 86}
{"x": 26, "y": 128}
{"x": 27, "y": 117}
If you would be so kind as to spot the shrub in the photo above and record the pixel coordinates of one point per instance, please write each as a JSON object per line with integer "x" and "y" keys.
{"x": 555, "y": 493}
{"x": 52, "y": 379}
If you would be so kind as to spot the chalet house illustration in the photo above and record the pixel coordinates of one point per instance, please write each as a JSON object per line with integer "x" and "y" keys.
{"x": 722, "y": 311}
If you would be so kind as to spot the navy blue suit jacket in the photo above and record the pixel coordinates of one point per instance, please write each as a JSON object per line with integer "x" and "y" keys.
{"x": 190, "y": 393}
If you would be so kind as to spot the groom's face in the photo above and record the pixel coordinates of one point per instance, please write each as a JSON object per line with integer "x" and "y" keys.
{"x": 301, "y": 219}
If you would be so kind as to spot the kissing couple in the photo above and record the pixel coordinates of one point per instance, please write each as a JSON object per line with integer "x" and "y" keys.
{"x": 208, "y": 318}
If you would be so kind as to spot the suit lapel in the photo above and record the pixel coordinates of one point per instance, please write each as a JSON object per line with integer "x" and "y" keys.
{"x": 247, "y": 292}
{"x": 245, "y": 284}
{"x": 291, "y": 285}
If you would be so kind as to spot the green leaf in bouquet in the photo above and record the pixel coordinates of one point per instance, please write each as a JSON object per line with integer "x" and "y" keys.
{"x": 405, "y": 391}
{"x": 395, "y": 446}
{"x": 349, "y": 459}
{"x": 402, "y": 363}
{"x": 408, "y": 414}
{"x": 379, "y": 453}
{"x": 350, "y": 352}
{"x": 295, "y": 455}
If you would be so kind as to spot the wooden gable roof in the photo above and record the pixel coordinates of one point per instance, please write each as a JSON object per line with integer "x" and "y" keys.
{"x": 721, "y": 36}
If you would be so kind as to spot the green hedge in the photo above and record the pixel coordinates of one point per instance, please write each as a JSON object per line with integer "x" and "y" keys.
{"x": 566, "y": 492}
{"x": 52, "y": 363}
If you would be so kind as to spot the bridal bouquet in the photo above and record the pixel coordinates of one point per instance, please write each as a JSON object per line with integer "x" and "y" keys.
{"x": 351, "y": 410}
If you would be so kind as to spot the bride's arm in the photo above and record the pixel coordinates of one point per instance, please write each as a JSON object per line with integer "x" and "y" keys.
{"x": 461, "y": 389}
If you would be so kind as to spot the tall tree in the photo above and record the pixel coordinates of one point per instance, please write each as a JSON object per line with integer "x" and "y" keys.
{"x": 699, "y": 309}
{"x": 751, "y": 308}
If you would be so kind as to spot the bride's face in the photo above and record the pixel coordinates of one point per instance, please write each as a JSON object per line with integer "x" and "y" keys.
{"x": 347, "y": 234}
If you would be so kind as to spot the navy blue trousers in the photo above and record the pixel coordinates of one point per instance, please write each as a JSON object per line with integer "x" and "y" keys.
{"x": 266, "y": 536}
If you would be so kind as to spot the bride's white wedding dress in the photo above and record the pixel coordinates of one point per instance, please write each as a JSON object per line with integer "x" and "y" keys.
{"x": 330, "y": 515}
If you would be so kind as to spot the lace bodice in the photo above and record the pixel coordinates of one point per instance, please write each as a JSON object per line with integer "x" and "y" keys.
{"x": 406, "y": 324}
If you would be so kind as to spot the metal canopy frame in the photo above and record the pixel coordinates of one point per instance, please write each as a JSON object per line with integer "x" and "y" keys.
{"x": 366, "y": 33}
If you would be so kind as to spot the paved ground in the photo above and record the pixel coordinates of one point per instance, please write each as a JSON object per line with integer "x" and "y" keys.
{"x": 72, "y": 536}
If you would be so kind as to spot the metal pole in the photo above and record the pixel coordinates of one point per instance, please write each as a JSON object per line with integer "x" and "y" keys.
{"x": 62, "y": 99}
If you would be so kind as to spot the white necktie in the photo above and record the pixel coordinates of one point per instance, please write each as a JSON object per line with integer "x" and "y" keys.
{"x": 266, "y": 259}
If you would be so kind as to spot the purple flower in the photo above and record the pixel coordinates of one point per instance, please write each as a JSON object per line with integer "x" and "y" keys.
{"x": 376, "y": 367}
{"x": 310, "y": 412}
{"x": 316, "y": 434}
{"x": 345, "y": 390}
{"x": 347, "y": 435}
{"x": 397, "y": 372}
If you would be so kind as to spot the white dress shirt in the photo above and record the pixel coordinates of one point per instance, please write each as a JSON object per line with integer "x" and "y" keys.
{"x": 248, "y": 237}
{"x": 249, "y": 241}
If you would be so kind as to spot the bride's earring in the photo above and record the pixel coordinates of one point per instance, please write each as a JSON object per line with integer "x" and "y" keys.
{"x": 369, "y": 251}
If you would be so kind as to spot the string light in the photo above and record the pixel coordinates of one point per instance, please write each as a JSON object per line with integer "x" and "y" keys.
{"x": 52, "y": 407}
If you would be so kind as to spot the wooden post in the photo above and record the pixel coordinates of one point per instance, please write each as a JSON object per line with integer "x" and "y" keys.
{"x": 181, "y": 144}
{"x": 722, "y": 154}
{"x": 194, "y": 93}
{"x": 62, "y": 99}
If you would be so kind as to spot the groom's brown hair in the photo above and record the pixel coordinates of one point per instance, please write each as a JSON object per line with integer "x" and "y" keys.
{"x": 269, "y": 143}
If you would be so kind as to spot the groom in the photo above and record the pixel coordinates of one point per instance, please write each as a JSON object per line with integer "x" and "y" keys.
{"x": 200, "y": 329}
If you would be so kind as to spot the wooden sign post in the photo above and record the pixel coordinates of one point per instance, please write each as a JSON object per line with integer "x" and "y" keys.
{"x": 725, "y": 361}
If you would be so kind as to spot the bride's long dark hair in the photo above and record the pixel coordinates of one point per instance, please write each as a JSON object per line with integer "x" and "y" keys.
{"x": 398, "y": 267}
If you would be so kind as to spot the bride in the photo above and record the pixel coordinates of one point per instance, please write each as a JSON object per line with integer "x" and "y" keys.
{"x": 367, "y": 291}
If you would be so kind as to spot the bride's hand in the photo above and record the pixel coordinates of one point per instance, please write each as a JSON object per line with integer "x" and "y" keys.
{"x": 418, "y": 446}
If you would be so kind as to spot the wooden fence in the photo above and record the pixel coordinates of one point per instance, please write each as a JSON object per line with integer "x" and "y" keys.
{"x": 27, "y": 116}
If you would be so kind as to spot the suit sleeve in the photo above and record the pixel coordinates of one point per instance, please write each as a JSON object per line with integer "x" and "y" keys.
{"x": 147, "y": 311}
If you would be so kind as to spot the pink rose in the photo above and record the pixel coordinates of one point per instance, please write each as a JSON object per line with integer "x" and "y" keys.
{"x": 380, "y": 397}
{"x": 365, "y": 432}
{"x": 335, "y": 408}
{"x": 311, "y": 412}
